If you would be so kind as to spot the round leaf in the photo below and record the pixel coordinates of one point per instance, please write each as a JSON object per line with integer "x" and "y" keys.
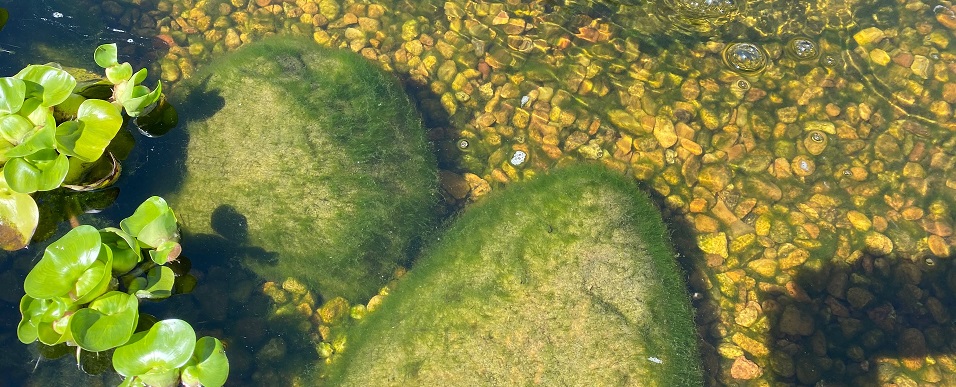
{"x": 105, "y": 55}
{"x": 119, "y": 73}
{"x": 63, "y": 262}
{"x": 107, "y": 322}
{"x": 140, "y": 98}
{"x": 126, "y": 251}
{"x": 96, "y": 124}
{"x": 38, "y": 138}
{"x": 12, "y": 93}
{"x": 167, "y": 345}
{"x": 159, "y": 283}
{"x": 19, "y": 217}
{"x": 153, "y": 223}
{"x": 56, "y": 84}
{"x": 42, "y": 171}
{"x": 208, "y": 365}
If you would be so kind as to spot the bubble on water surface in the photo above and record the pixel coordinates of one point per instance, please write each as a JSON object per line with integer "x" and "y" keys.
{"x": 701, "y": 16}
{"x": 745, "y": 57}
{"x": 519, "y": 158}
{"x": 802, "y": 48}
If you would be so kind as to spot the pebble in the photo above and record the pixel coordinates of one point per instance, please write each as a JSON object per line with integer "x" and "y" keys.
{"x": 745, "y": 369}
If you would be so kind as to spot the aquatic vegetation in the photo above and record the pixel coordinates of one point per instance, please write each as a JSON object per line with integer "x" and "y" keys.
{"x": 57, "y": 132}
{"x": 342, "y": 189}
{"x": 4, "y": 16}
{"x": 85, "y": 292}
{"x": 567, "y": 278}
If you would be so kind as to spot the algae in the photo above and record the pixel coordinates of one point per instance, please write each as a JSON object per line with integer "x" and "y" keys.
{"x": 319, "y": 159}
{"x": 568, "y": 279}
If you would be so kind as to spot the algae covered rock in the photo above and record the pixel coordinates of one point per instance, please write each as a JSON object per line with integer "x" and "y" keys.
{"x": 568, "y": 279}
{"x": 312, "y": 159}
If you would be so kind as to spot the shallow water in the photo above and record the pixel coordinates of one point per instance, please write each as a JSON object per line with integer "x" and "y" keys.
{"x": 802, "y": 150}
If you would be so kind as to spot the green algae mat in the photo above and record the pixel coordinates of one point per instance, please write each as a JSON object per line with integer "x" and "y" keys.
{"x": 568, "y": 279}
{"x": 313, "y": 159}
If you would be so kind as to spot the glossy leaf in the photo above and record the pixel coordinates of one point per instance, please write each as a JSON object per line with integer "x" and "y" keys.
{"x": 56, "y": 84}
{"x": 167, "y": 345}
{"x": 35, "y": 313}
{"x": 96, "y": 279}
{"x": 19, "y": 216}
{"x": 105, "y": 55}
{"x": 41, "y": 171}
{"x": 96, "y": 124}
{"x": 63, "y": 262}
{"x": 38, "y": 138}
{"x": 14, "y": 128}
{"x": 208, "y": 366}
{"x": 12, "y": 93}
{"x": 153, "y": 223}
{"x": 119, "y": 73}
{"x": 139, "y": 77}
{"x": 159, "y": 284}
{"x": 165, "y": 253}
{"x": 108, "y": 322}
{"x": 126, "y": 251}
{"x": 141, "y": 98}
{"x": 90, "y": 176}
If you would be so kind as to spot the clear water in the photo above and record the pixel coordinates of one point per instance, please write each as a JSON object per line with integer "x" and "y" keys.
{"x": 787, "y": 141}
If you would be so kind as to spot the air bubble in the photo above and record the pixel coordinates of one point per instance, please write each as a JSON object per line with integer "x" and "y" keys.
{"x": 803, "y": 48}
{"x": 745, "y": 57}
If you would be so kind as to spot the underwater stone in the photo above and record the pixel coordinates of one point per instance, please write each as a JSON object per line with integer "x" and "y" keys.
{"x": 320, "y": 153}
{"x": 533, "y": 287}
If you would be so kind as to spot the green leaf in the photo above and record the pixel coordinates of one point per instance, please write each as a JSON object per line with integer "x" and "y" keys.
{"x": 166, "y": 346}
{"x": 63, "y": 262}
{"x": 159, "y": 283}
{"x": 19, "y": 216}
{"x": 40, "y": 138}
{"x": 108, "y": 322}
{"x": 12, "y": 93}
{"x": 41, "y": 171}
{"x": 138, "y": 77}
{"x": 126, "y": 251}
{"x": 40, "y": 316}
{"x": 119, "y": 73}
{"x": 96, "y": 279}
{"x": 165, "y": 253}
{"x": 208, "y": 365}
{"x": 96, "y": 124}
{"x": 14, "y": 128}
{"x": 153, "y": 223}
{"x": 141, "y": 98}
{"x": 56, "y": 84}
{"x": 105, "y": 55}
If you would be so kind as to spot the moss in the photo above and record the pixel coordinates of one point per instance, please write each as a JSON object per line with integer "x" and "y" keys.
{"x": 312, "y": 156}
{"x": 568, "y": 279}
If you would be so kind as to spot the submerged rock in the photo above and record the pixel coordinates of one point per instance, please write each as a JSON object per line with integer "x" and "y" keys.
{"x": 311, "y": 160}
{"x": 568, "y": 279}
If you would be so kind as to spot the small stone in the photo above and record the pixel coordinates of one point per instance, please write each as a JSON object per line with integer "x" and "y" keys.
{"x": 793, "y": 259}
{"x": 479, "y": 186}
{"x": 764, "y": 267}
{"x": 869, "y": 36}
{"x": 795, "y": 322}
{"x": 745, "y": 369}
{"x": 912, "y": 347}
{"x": 334, "y": 310}
{"x": 664, "y": 132}
{"x": 878, "y": 243}
{"x": 714, "y": 243}
{"x": 880, "y": 57}
{"x": 748, "y": 315}
{"x": 454, "y": 184}
{"x": 858, "y": 297}
{"x": 293, "y": 286}
{"x": 263, "y": 3}
{"x": 920, "y": 66}
{"x": 787, "y": 115}
{"x": 625, "y": 121}
{"x": 859, "y": 221}
{"x": 938, "y": 246}
{"x": 750, "y": 345}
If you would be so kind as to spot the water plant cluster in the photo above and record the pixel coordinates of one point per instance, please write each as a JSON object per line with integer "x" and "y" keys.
{"x": 85, "y": 292}
{"x": 56, "y": 132}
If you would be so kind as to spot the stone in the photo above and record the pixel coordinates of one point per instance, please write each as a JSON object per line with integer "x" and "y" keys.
{"x": 795, "y": 322}
{"x": 912, "y": 348}
{"x": 526, "y": 278}
{"x": 858, "y": 298}
{"x": 301, "y": 161}
{"x": 868, "y": 36}
{"x": 745, "y": 369}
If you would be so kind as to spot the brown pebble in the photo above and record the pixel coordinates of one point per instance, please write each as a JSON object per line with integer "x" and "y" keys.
{"x": 745, "y": 369}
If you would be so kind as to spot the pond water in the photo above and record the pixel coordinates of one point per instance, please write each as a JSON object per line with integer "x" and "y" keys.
{"x": 802, "y": 152}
